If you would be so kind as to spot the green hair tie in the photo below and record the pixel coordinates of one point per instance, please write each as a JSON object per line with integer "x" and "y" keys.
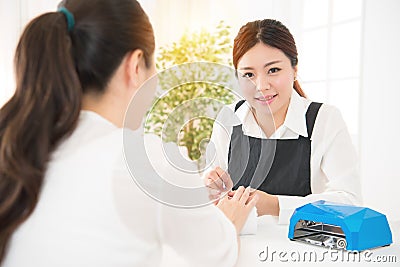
{"x": 70, "y": 18}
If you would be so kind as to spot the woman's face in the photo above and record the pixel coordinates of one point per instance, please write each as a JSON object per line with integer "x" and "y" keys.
{"x": 266, "y": 79}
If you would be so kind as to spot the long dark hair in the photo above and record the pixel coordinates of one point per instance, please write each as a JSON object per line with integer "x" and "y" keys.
{"x": 54, "y": 68}
{"x": 272, "y": 33}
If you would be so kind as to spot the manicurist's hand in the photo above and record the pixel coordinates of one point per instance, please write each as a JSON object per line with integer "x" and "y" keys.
{"x": 267, "y": 204}
{"x": 218, "y": 182}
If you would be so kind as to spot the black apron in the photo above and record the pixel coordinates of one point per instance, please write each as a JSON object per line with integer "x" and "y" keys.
{"x": 275, "y": 166}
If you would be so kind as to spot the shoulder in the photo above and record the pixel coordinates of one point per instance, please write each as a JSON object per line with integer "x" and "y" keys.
{"x": 328, "y": 124}
{"x": 227, "y": 117}
{"x": 330, "y": 116}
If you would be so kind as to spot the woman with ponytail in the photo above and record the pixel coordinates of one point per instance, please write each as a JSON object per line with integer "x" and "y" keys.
{"x": 66, "y": 196}
{"x": 291, "y": 150}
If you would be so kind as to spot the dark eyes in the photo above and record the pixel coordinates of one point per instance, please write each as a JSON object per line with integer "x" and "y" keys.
{"x": 248, "y": 75}
{"x": 251, "y": 75}
{"x": 273, "y": 70}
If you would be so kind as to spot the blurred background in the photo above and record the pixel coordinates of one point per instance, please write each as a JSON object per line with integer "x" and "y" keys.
{"x": 348, "y": 57}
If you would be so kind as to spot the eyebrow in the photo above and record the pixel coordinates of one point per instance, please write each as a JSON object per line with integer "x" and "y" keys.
{"x": 266, "y": 65}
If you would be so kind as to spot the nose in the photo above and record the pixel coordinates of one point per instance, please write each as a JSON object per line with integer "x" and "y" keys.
{"x": 263, "y": 83}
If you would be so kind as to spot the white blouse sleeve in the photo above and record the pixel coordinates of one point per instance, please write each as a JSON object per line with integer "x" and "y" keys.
{"x": 335, "y": 154}
{"x": 203, "y": 236}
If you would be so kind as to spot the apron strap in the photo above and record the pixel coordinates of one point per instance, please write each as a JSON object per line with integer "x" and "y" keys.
{"x": 311, "y": 115}
{"x": 238, "y": 104}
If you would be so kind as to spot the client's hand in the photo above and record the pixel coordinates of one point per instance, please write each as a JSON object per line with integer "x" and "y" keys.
{"x": 218, "y": 182}
{"x": 267, "y": 204}
{"x": 237, "y": 207}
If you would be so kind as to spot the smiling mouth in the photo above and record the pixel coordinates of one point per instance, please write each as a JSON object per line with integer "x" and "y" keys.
{"x": 266, "y": 98}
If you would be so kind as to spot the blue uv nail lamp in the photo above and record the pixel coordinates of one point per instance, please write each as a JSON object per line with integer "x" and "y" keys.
{"x": 339, "y": 226}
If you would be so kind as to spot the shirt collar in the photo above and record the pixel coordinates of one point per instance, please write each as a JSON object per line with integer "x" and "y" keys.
{"x": 91, "y": 115}
{"x": 249, "y": 124}
{"x": 295, "y": 117}
{"x": 243, "y": 112}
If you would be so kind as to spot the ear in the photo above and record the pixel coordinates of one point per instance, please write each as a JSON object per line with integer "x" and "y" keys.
{"x": 134, "y": 68}
{"x": 295, "y": 72}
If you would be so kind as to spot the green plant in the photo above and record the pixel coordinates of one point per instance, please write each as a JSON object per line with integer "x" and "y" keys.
{"x": 191, "y": 91}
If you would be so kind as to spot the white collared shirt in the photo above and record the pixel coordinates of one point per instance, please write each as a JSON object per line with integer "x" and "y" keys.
{"x": 92, "y": 213}
{"x": 334, "y": 163}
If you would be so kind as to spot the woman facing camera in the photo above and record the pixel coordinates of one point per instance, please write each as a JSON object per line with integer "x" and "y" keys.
{"x": 290, "y": 149}
{"x": 66, "y": 195}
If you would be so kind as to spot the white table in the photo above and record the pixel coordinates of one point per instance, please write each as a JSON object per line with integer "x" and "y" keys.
{"x": 271, "y": 247}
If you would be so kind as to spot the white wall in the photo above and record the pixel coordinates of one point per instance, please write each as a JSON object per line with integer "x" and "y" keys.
{"x": 380, "y": 108}
{"x": 9, "y": 34}
{"x": 14, "y": 15}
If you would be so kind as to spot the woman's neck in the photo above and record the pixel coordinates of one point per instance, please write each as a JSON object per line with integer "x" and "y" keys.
{"x": 269, "y": 123}
{"x": 105, "y": 106}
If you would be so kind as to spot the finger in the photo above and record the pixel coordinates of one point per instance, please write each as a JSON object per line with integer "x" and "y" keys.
{"x": 225, "y": 177}
{"x": 222, "y": 199}
{"x": 213, "y": 175}
{"x": 238, "y": 193}
{"x": 250, "y": 198}
{"x": 213, "y": 181}
{"x": 213, "y": 186}
{"x": 252, "y": 203}
{"x": 213, "y": 192}
{"x": 219, "y": 170}
{"x": 245, "y": 196}
{"x": 231, "y": 193}
{"x": 252, "y": 191}
{"x": 213, "y": 197}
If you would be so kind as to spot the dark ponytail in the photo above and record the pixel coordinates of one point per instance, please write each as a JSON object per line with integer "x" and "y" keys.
{"x": 54, "y": 68}
{"x": 44, "y": 108}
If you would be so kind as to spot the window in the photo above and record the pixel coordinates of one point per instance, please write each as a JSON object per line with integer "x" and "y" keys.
{"x": 329, "y": 55}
